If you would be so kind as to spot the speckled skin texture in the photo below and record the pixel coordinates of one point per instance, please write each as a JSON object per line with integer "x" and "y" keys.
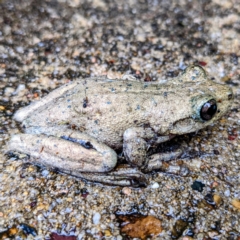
{"x": 114, "y": 113}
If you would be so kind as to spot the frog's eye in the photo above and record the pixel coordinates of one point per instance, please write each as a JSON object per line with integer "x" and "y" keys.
{"x": 208, "y": 109}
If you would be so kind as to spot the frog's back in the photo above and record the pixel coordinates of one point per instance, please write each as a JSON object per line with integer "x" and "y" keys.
{"x": 100, "y": 107}
{"x": 105, "y": 108}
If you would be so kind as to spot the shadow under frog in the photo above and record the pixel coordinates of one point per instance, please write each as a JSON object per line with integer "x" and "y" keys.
{"x": 78, "y": 127}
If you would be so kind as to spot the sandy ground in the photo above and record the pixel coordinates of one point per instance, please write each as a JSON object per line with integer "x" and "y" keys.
{"x": 44, "y": 44}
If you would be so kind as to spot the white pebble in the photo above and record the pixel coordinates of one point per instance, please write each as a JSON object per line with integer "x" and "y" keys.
{"x": 68, "y": 210}
{"x": 96, "y": 218}
{"x": 8, "y": 91}
{"x": 20, "y": 49}
{"x": 227, "y": 193}
{"x": 155, "y": 185}
{"x": 45, "y": 173}
{"x": 20, "y": 88}
{"x": 152, "y": 212}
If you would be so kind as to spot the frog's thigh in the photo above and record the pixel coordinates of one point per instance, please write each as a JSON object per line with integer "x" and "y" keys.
{"x": 63, "y": 154}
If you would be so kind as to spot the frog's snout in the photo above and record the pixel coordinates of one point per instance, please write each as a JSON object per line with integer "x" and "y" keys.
{"x": 225, "y": 100}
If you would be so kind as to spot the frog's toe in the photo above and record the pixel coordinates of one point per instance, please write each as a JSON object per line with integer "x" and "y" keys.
{"x": 156, "y": 161}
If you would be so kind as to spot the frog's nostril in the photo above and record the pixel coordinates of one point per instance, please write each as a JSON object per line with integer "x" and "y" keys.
{"x": 230, "y": 96}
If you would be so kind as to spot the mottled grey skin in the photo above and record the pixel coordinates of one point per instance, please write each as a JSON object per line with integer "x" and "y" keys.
{"x": 77, "y": 127}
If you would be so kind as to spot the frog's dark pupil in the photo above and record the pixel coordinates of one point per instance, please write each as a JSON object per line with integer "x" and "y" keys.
{"x": 208, "y": 109}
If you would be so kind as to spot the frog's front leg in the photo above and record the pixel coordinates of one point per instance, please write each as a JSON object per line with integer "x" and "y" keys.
{"x": 137, "y": 141}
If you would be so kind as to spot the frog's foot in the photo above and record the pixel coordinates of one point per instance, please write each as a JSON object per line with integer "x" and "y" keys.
{"x": 158, "y": 161}
{"x": 79, "y": 152}
{"x": 123, "y": 175}
{"x": 137, "y": 141}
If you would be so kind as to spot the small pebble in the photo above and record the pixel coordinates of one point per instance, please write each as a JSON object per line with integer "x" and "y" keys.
{"x": 214, "y": 184}
{"x": 212, "y": 234}
{"x": 227, "y": 193}
{"x": 45, "y": 173}
{"x": 198, "y": 186}
{"x": 96, "y": 218}
{"x": 155, "y": 185}
{"x": 20, "y": 88}
{"x": 8, "y": 91}
{"x": 217, "y": 199}
{"x": 236, "y": 203}
{"x": 107, "y": 233}
{"x": 68, "y": 210}
{"x": 127, "y": 191}
{"x": 20, "y": 49}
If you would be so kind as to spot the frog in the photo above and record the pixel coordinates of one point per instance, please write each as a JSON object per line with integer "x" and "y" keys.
{"x": 78, "y": 128}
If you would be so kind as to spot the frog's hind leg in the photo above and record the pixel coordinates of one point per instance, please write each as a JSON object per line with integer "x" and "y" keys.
{"x": 84, "y": 153}
{"x": 77, "y": 154}
{"x": 122, "y": 175}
